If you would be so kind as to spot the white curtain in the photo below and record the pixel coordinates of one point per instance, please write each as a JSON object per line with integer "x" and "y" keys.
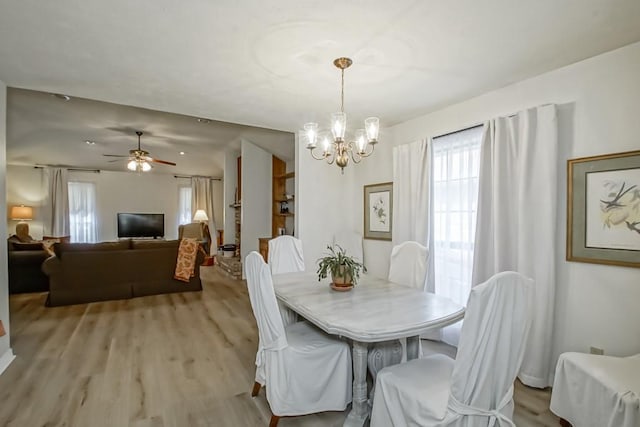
{"x": 202, "y": 198}
{"x": 58, "y": 202}
{"x": 82, "y": 212}
{"x": 517, "y": 214}
{"x": 456, "y": 160}
{"x": 184, "y": 205}
{"x": 412, "y": 198}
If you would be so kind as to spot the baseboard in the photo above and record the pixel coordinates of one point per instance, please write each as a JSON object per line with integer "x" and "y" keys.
{"x": 5, "y": 360}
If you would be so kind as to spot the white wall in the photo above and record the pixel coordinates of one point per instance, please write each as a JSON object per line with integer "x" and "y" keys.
{"x": 116, "y": 192}
{"x": 373, "y": 170}
{"x": 599, "y": 101}
{"x": 28, "y": 186}
{"x": 6, "y": 355}
{"x": 217, "y": 193}
{"x": 132, "y": 192}
{"x": 323, "y": 203}
{"x": 230, "y": 186}
{"x": 256, "y": 197}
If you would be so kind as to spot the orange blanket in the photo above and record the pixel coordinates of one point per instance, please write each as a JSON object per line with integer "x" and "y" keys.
{"x": 186, "y": 262}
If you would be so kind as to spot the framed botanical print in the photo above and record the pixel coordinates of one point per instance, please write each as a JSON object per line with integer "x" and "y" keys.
{"x": 378, "y": 211}
{"x": 603, "y": 209}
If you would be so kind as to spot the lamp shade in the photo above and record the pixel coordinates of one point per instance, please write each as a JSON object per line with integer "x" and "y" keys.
{"x": 22, "y": 212}
{"x": 200, "y": 215}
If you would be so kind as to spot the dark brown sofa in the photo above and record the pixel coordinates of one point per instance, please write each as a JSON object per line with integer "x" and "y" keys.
{"x": 88, "y": 272}
{"x": 25, "y": 267}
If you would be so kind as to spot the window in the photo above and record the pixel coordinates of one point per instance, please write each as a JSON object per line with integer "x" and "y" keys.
{"x": 184, "y": 204}
{"x": 456, "y": 164}
{"x": 82, "y": 212}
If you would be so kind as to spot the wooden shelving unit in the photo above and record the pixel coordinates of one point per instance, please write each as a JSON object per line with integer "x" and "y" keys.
{"x": 279, "y": 189}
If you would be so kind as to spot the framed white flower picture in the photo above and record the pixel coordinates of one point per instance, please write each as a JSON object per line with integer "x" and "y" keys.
{"x": 378, "y": 211}
{"x": 603, "y": 209}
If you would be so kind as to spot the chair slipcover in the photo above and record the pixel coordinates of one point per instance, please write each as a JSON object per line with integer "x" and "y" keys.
{"x": 285, "y": 255}
{"x": 305, "y": 370}
{"x": 597, "y": 391}
{"x": 196, "y": 230}
{"x": 408, "y": 264}
{"x": 351, "y": 242}
{"x": 476, "y": 389}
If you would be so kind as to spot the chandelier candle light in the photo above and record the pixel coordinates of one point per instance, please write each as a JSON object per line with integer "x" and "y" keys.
{"x": 339, "y": 150}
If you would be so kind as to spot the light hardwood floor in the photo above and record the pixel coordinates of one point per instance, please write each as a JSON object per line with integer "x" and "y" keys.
{"x": 167, "y": 360}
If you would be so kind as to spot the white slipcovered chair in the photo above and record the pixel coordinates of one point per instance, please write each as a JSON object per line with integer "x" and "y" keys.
{"x": 285, "y": 256}
{"x": 476, "y": 389}
{"x": 408, "y": 264}
{"x": 351, "y": 242}
{"x": 407, "y": 267}
{"x": 304, "y": 370}
{"x": 597, "y": 391}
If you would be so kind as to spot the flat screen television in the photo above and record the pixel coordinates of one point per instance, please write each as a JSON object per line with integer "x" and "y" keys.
{"x": 140, "y": 225}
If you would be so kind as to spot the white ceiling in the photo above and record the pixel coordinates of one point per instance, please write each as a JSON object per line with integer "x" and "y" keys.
{"x": 269, "y": 63}
{"x": 45, "y": 130}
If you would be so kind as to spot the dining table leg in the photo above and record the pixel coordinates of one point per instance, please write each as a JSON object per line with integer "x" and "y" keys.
{"x": 359, "y": 408}
{"x": 413, "y": 347}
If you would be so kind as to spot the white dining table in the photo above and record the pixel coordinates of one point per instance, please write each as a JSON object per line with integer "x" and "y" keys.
{"x": 376, "y": 310}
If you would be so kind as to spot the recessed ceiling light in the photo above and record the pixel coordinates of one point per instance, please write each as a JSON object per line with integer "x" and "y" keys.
{"x": 182, "y": 153}
{"x": 62, "y": 96}
{"x": 201, "y": 120}
{"x": 90, "y": 142}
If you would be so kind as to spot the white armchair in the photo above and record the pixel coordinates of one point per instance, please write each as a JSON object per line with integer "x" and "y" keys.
{"x": 597, "y": 391}
{"x": 305, "y": 370}
{"x": 477, "y": 388}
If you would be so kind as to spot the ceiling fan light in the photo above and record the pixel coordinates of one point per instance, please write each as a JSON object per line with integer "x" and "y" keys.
{"x": 146, "y": 167}
{"x": 132, "y": 165}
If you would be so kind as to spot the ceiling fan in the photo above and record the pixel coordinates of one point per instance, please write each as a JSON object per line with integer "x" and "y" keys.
{"x": 139, "y": 159}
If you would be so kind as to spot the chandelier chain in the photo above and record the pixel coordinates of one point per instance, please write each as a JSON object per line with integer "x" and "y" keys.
{"x": 342, "y": 93}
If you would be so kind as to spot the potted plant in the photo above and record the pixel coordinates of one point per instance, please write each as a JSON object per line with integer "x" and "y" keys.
{"x": 344, "y": 269}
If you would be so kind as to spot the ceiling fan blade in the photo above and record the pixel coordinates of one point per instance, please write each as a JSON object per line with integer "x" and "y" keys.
{"x": 164, "y": 162}
{"x": 114, "y": 161}
{"x": 114, "y": 155}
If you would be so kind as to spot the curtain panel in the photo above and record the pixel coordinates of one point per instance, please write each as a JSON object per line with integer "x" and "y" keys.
{"x": 412, "y": 195}
{"x": 58, "y": 202}
{"x": 83, "y": 212}
{"x": 456, "y": 160}
{"x": 202, "y": 198}
{"x": 517, "y": 216}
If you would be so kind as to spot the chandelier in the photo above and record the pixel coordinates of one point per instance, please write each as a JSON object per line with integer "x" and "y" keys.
{"x": 339, "y": 150}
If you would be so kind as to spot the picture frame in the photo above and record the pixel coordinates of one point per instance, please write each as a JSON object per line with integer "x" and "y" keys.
{"x": 603, "y": 209}
{"x": 378, "y": 211}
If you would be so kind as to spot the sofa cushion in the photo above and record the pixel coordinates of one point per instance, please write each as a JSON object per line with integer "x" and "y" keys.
{"x": 31, "y": 246}
{"x": 63, "y": 239}
{"x": 60, "y": 248}
{"x": 153, "y": 244}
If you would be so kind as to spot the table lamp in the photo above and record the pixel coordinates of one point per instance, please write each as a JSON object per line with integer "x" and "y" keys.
{"x": 22, "y": 213}
{"x": 200, "y": 216}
